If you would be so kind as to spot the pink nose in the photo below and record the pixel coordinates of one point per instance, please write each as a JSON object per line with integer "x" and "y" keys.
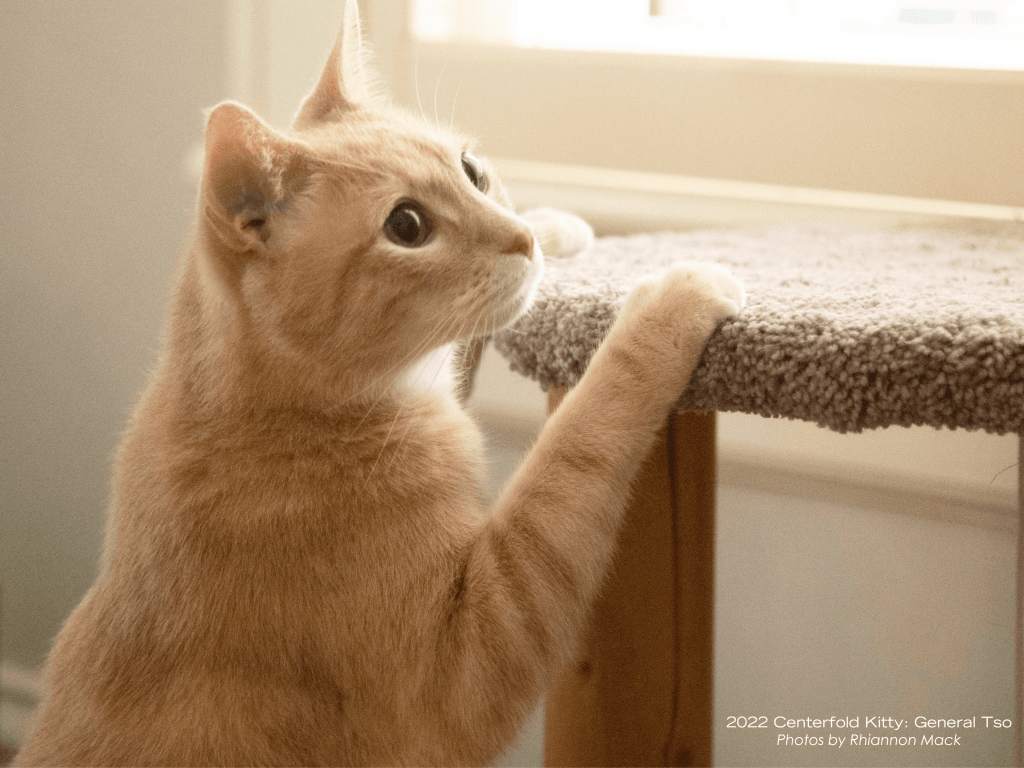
{"x": 522, "y": 242}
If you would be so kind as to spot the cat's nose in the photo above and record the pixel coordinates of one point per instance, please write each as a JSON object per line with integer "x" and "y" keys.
{"x": 522, "y": 242}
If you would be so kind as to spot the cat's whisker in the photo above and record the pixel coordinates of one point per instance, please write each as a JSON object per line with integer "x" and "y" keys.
{"x": 467, "y": 350}
{"x": 437, "y": 331}
{"x": 381, "y": 396}
{"x": 401, "y": 443}
{"x": 366, "y": 415}
{"x": 472, "y": 331}
{"x": 416, "y": 84}
{"x": 437, "y": 122}
{"x": 430, "y": 340}
{"x": 390, "y": 373}
{"x": 443, "y": 363}
{"x": 384, "y": 445}
{"x": 451, "y": 120}
{"x": 440, "y": 367}
{"x": 420, "y": 348}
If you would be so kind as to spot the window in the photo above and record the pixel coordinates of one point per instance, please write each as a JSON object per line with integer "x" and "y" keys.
{"x": 977, "y": 35}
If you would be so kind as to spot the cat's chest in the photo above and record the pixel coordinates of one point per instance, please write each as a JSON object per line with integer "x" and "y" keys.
{"x": 426, "y": 457}
{"x": 418, "y": 457}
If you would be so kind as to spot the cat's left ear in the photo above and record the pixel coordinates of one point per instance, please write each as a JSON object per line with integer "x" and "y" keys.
{"x": 252, "y": 176}
{"x": 343, "y": 83}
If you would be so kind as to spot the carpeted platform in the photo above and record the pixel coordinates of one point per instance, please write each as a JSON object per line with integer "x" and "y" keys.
{"x": 849, "y": 328}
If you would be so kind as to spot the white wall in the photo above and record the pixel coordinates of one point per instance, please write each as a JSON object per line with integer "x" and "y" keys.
{"x": 101, "y": 102}
{"x": 834, "y": 610}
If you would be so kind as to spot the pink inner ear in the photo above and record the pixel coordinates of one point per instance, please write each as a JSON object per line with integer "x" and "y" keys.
{"x": 251, "y": 172}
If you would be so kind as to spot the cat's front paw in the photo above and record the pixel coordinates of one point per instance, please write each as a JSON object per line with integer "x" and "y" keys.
{"x": 560, "y": 234}
{"x": 726, "y": 295}
{"x": 691, "y": 288}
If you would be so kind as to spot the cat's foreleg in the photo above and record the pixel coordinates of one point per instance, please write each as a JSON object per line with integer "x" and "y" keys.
{"x": 532, "y": 574}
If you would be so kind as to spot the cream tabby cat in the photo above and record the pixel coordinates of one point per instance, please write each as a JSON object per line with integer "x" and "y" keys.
{"x": 297, "y": 569}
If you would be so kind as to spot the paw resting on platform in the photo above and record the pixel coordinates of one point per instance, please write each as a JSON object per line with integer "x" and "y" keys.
{"x": 560, "y": 234}
{"x": 708, "y": 289}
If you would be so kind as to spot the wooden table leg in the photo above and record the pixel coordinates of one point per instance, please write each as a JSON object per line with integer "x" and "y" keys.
{"x": 640, "y": 692}
{"x": 694, "y": 474}
{"x": 1018, "y": 619}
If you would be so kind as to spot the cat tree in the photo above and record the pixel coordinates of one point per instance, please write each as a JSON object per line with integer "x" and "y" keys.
{"x": 849, "y": 329}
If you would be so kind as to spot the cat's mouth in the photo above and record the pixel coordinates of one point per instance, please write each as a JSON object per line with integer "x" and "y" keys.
{"x": 516, "y": 279}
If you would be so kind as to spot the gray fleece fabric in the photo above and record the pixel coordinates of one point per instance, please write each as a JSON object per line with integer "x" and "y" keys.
{"x": 849, "y": 328}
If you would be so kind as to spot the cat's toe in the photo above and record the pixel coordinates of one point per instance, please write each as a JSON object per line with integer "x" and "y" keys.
{"x": 731, "y": 289}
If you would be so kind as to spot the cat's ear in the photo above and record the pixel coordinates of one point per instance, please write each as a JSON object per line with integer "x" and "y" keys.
{"x": 251, "y": 177}
{"x": 343, "y": 83}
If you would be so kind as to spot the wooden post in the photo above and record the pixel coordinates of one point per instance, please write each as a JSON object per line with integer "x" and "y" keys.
{"x": 1018, "y": 619}
{"x": 640, "y": 692}
{"x": 694, "y": 477}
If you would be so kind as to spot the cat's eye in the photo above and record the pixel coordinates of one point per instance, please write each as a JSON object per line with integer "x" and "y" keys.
{"x": 474, "y": 171}
{"x": 408, "y": 225}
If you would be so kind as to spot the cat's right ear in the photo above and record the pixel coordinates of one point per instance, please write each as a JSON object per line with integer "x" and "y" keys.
{"x": 252, "y": 176}
{"x": 343, "y": 84}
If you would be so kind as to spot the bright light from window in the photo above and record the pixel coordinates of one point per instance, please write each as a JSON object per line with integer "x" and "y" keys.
{"x": 975, "y": 34}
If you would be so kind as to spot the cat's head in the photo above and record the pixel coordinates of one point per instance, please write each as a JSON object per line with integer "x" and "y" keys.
{"x": 361, "y": 238}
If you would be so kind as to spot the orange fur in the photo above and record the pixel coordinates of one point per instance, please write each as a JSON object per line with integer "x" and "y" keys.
{"x": 297, "y": 569}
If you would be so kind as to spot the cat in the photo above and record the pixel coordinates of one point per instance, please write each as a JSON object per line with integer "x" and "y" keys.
{"x": 297, "y": 569}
